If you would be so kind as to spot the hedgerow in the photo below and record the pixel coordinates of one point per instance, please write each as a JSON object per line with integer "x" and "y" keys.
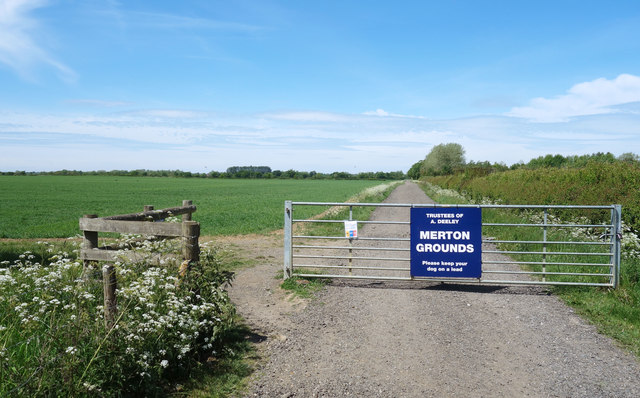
{"x": 594, "y": 184}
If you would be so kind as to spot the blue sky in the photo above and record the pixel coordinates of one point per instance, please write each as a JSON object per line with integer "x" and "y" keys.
{"x": 313, "y": 85}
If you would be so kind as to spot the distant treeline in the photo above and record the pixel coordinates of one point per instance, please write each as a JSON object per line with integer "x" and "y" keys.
{"x": 576, "y": 161}
{"x": 263, "y": 172}
{"x": 248, "y": 169}
{"x": 449, "y": 160}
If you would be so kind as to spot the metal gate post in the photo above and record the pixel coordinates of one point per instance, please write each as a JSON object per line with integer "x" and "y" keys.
{"x": 288, "y": 250}
{"x": 544, "y": 246}
{"x": 350, "y": 242}
{"x": 616, "y": 238}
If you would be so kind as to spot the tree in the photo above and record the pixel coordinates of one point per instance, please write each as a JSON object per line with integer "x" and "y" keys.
{"x": 414, "y": 171}
{"x": 443, "y": 159}
{"x": 629, "y": 157}
{"x": 247, "y": 171}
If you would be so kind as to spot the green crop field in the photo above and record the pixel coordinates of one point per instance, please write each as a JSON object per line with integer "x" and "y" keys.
{"x": 50, "y": 206}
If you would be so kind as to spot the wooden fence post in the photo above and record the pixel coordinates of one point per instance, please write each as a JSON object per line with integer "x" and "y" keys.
{"x": 186, "y": 216}
{"x": 190, "y": 246}
{"x": 110, "y": 284}
{"x": 89, "y": 241}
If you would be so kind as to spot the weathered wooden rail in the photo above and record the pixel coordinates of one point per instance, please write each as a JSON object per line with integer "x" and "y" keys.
{"x": 143, "y": 223}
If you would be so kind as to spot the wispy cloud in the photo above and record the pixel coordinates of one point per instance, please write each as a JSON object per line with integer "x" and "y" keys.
{"x": 19, "y": 49}
{"x": 307, "y": 140}
{"x": 382, "y": 113}
{"x": 167, "y": 114}
{"x": 596, "y": 97}
{"x": 377, "y": 112}
{"x": 172, "y": 21}
{"x": 306, "y": 116}
{"x": 99, "y": 103}
{"x": 403, "y": 138}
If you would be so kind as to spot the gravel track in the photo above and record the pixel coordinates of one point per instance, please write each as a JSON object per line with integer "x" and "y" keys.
{"x": 422, "y": 339}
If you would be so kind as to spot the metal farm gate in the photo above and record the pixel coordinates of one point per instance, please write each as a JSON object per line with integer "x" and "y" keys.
{"x": 545, "y": 251}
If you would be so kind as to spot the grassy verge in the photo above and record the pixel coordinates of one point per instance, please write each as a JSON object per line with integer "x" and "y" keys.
{"x": 11, "y": 250}
{"x": 303, "y": 287}
{"x": 615, "y": 312}
{"x": 374, "y": 194}
{"x": 228, "y": 373}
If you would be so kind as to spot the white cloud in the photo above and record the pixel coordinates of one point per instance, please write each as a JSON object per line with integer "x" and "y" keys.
{"x": 99, "y": 103}
{"x": 382, "y": 113}
{"x": 18, "y": 47}
{"x": 596, "y": 97}
{"x": 377, "y": 112}
{"x": 404, "y": 137}
{"x": 170, "y": 21}
{"x": 167, "y": 113}
{"x": 309, "y": 116}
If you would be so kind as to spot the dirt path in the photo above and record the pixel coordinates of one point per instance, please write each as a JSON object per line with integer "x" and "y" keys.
{"x": 422, "y": 339}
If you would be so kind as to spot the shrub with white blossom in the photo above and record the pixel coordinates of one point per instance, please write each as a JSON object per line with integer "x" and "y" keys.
{"x": 54, "y": 341}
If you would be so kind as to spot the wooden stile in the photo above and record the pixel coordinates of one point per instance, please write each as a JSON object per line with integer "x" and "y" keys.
{"x": 140, "y": 224}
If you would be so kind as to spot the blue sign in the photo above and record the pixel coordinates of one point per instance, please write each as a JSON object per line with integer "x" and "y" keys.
{"x": 446, "y": 242}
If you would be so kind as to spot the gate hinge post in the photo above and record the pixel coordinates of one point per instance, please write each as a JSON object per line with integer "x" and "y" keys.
{"x": 288, "y": 239}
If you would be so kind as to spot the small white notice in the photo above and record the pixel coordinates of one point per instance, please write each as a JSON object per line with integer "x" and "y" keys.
{"x": 351, "y": 229}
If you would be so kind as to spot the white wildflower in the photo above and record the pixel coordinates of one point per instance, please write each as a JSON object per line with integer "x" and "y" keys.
{"x": 7, "y": 279}
{"x": 90, "y": 387}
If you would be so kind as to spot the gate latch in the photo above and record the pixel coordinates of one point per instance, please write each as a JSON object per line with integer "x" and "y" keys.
{"x": 618, "y": 235}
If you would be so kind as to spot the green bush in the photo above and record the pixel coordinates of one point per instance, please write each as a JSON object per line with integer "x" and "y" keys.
{"x": 594, "y": 184}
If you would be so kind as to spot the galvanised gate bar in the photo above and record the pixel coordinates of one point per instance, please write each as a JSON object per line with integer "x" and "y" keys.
{"x": 545, "y": 251}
